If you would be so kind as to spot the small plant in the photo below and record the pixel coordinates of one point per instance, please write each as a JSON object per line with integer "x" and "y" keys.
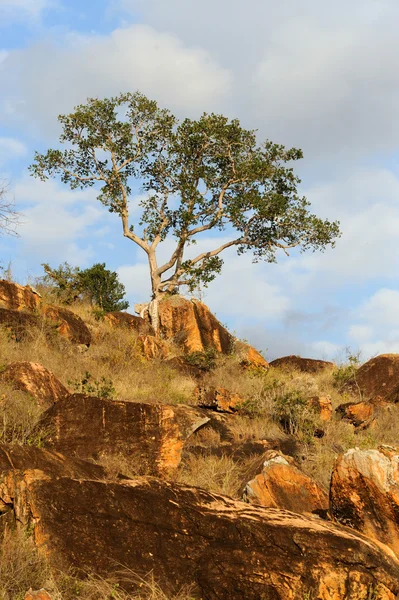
{"x": 19, "y": 415}
{"x": 295, "y": 415}
{"x": 205, "y": 360}
{"x": 347, "y": 371}
{"x": 103, "y": 387}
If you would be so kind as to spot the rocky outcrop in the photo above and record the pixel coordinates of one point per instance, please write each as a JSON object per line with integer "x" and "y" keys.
{"x": 305, "y": 365}
{"x": 359, "y": 414}
{"x": 154, "y": 434}
{"x": 123, "y": 319}
{"x": 191, "y": 325}
{"x": 226, "y": 548}
{"x": 378, "y": 379}
{"x": 249, "y": 356}
{"x": 68, "y": 324}
{"x": 18, "y": 323}
{"x": 322, "y": 406}
{"x": 152, "y": 347}
{"x": 364, "y": 493}
{"x": 282, "y": 485}
{"x": 17, "y": 297}
{"x": 218, "y": 399}
{"x": 36, "y": 380}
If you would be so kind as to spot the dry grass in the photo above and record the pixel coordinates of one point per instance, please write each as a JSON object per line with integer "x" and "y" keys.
{"x": 118, "y": 464}
{"x": 19, "y": 416}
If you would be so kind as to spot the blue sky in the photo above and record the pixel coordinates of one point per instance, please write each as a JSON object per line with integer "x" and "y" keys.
{"x": 317, "y": 75}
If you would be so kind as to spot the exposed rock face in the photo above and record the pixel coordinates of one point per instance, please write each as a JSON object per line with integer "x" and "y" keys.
{"x": 282, "y": 485}
{"x": 122, "y": 319}
{"x": 38, "y": 595}
{"x": 192, "y": 326}
{"x": 228, "y": 549}
{"x": 249, "y": 356}
{"x": 86, "y": 426}
{"x": 69, "y": 324}
{"x": 378, "y": 379}
{"x": 36, "y": 380}
{"x": 152, "y": 347}
{"x": 18, "y": 297}
{"x": 18, "y": 323}
{"x": 359, "y": 414}
{"x": 322, "y": 406}
{"x": 364, "y": 493}
{"x": 219, "y": 399}
{"x": 306, "y": 365}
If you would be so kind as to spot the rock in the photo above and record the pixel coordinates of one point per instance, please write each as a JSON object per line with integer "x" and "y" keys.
{"x": 17, "y": 297}
{"x": 305, "y": 365}
{"x": 39, "y": 595}
{"x": 152, "y": 347}
{"x": 35, "y": 380}
{"x": 178, "y": 363}
{"x": 359, "y": 414}
{"x": 219, "y": 399}
{"x": 364, "y": 493}
{"x": 184, "y": 535}
{"x": 68, "y": 324}
{"x": 18, "y": 323}
{"x": 123, "y": 319}
{"x": 378, "y": 379}
{"x": 282, "y": 485}
{"x": 155, "y": 434}
{"x": 322, "y": 406}
{"x": 249, "y": 356}
{"x": 191, "y": 325}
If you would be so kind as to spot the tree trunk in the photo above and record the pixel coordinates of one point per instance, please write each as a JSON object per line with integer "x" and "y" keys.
{"x": 156, "y": 292}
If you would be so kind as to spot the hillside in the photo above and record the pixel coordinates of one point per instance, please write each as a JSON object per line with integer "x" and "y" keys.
{"x": 184, "y": 466}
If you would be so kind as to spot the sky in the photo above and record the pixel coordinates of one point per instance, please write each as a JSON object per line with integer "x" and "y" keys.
{"x": 317, "y": 75}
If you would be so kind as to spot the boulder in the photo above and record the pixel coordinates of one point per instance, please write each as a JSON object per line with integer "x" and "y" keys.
{"x": 183, "y": 535}
{"x": 36, "y": 380}
{"x": 68, "y": 324}
{"x": 191, "y": 325}
{"x": 359, "y": 414}
{"x": 378, "y": 379}
{"x": 322, "y": 406}
{"x": 17, "y": 297}
{"x": 249, "y": 356}
{"x": 152, "y": 347}
{"x": 282, "y": 485}
{"x": 305, "y": 365}
{"x": 364, "y": 493}
{"x": 18, "y": 323}
{"x": 155, "y": 434}
{"x": 218, "y": 399}
{"x": 179, "y": 364}
{"x": 38, "y": 595}
{"x": 123, "y": 319}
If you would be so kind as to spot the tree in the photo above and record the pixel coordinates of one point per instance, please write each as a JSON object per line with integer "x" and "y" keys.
{"x": 101, "y": 286}
{"x": 196, "y": 176}
{"x": 9, "y": 217}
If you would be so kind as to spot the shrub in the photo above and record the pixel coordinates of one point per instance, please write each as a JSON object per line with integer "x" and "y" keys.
{"x": 19, "y": 416}
{"x": 205, "y": 360}
{"x": 347, "y": 371}
{"x": 102, "y": 388}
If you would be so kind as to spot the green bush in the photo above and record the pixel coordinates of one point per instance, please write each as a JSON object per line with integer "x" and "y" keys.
{"x": 102, "y": 388}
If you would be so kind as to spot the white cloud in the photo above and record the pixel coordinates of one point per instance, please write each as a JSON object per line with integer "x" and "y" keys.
{"x": 23, "y": 9}
{"x": 51, "y": 77}
{"x": 11, "y": 148}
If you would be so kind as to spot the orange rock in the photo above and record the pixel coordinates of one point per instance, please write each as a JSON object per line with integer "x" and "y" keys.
{"x": 153, "y": 347}
{"x": 306, "y": 365}
{"x": 68, "y": 324}
{"x": 39, "y": 595}
{"x": 360, "y": 414}
{"x": 364, "y": 493}
{"x": 282, "y": 485}
{"x": 249, "y": 356}
{"x": 219, "y": 399}
{"x": 36, "y": 380}
{"x": 322, "y": 405}
{"x": 122, "y": 319}
{"x": 192, "y": 326}
{"x": 17, "y": 297}
{"x": 378, "y": 379}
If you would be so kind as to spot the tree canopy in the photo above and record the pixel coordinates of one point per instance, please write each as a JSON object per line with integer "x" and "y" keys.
{"x": 194, "y": 176}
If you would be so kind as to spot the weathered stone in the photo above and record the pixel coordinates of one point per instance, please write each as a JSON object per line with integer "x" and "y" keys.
{"x": 123, "y": 319}
{"x": 364, "y": 493}
{"x": 68, "y": 324}
{"x": 191, "y": 325}
{"x": 306, "y": 365}
{"x": 35, "y": 380}
{"x": 17, "y": 297}
{"x": 18, "y": 323}
{"x": 378, "y": 379}
{"x": 152, "y": 347}
{"x": 219, "y": 399}
{"x": 359, "y": 414}
{"x": 249, "y": 356}
{"x": 322, "y": 406}
{"x": 38, "y": 595}
{"x": 228, "y": 549}
{"x": 282, "y": 485}
{"x": 178, "y": 363}
{"x": 86, "y": 426}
